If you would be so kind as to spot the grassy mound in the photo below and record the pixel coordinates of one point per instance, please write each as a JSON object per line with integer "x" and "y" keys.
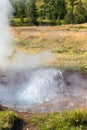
{"x": 68, "y": 120}
{"x": 7, "y": 120}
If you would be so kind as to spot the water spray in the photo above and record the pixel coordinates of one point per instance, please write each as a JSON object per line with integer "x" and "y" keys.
{"x": 24, "y": 81}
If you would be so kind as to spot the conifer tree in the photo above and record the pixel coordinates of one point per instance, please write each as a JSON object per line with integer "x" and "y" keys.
{"x": 79, "y": 13}
{"x": 30, "y": 10}
{"x": 72, "y": 4}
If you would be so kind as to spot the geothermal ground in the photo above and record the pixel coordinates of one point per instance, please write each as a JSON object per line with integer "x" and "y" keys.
{"x": 45, "y": 71}
{"x": 71, "y": 95}
{"x": 31, "y": 85}
{"x": 55, "y": 86}
{"x": 43, "y": 90}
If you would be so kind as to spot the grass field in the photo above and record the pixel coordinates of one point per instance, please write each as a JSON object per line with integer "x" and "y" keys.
{"x": 66, "y": 120}
{"x": 73, "y": 120}
{"x": 67, "y": 42}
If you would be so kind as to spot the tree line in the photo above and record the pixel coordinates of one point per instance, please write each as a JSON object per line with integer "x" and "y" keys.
{"x": 49, "y": 12}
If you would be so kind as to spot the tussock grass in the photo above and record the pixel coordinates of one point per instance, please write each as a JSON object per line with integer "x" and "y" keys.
{"x": 7, "y": 120}
{"x": 67, "y": 42}
{"x": 67, "y": 120}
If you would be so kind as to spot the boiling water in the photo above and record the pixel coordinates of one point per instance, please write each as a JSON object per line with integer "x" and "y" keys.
{"x": 42, "y": 90}
{"x": 23, "y": 90}
{"x": 20, "y": 88}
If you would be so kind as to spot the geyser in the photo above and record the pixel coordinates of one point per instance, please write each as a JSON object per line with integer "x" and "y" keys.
{"x": 26, "y": 85}
{"x": 25, "y": 89}
{"x": 23, "y": 83}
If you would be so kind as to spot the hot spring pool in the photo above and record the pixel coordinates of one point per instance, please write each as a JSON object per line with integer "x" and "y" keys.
{"x": 43, "y": 90}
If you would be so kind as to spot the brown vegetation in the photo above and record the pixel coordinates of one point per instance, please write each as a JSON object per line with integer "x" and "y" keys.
{"x": 67, "y": 42}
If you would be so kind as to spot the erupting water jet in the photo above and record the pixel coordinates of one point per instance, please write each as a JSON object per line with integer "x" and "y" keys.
{"x": 26, "y": 83}
{"x": 22, "y": 82}
{"x": 33, "y": 87}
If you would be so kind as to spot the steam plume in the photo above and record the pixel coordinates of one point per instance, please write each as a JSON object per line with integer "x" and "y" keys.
{"x": 6, "y": 45}
{"x": 15, "y": 77}
{"x": 6, "y": 37}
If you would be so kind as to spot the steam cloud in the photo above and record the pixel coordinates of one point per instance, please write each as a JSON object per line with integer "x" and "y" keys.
{"x": 7, "y": 46}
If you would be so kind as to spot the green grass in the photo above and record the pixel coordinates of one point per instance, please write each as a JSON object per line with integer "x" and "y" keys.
{"x": 7, "y": 120}
{"x": 67, "y": 120}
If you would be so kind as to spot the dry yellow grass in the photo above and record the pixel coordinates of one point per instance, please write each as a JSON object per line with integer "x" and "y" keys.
{"x": 67, "y": 42}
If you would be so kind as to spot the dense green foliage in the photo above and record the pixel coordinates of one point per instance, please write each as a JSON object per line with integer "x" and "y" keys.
{"x": 73, "y": 120}
{"x": 49, "y": 12}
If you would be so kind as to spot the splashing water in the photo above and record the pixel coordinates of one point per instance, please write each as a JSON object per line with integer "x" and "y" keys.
{"x": 35, "y": 87}
{"x": 22, "y": 86}
{"x": 44, "y": 85}
{"x": 19, "y": 87}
